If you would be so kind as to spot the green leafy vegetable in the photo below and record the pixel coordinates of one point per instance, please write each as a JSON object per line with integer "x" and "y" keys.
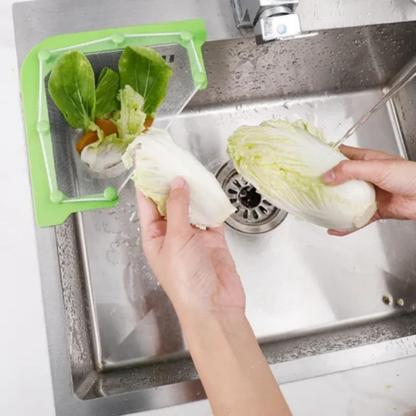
{"x": 72, "y": 88}
{"x": 158, "y": 160}
{"x": 147, "y": 73}
{"x": 144, "y": 76}
{"x": 130, "y": 119}
{"x": 107, "y": 151}
{"x": 285, "y": 163}
{"x": 106, "y": 93}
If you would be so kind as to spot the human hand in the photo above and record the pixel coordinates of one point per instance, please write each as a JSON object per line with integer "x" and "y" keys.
{"x": 394, "y": 179}
{"x": 194, "y": 266}
{"x": 198, "y": 274}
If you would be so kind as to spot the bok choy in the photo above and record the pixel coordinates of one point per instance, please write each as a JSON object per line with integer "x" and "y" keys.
{"x": 117, "y": 110}
{"x": 285, "y": 163}
{"x": 72, "y": 88}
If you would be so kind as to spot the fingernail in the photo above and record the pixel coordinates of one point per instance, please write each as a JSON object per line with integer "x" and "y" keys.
{"x": 178, "y": 183}
{"x": 328, "y": 177}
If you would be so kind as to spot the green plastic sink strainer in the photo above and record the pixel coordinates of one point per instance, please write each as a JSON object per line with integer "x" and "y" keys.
{"x": 62, "y": 184}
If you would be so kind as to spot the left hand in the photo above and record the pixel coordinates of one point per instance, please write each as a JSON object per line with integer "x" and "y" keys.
{"x": 198, "y": 274}
{"x": 194, "y": 266}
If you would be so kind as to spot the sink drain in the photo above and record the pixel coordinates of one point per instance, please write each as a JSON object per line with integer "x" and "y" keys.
{"x": 254, "y": 215}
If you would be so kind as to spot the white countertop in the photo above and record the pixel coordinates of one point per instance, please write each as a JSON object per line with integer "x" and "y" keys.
{"x": 25, "y": 385}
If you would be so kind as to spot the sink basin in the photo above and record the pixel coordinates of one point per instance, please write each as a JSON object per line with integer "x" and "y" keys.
{"x": 317, "y": 303}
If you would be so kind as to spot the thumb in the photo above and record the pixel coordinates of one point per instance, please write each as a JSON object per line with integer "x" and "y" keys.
{"x": 395, "y": 176}
{"x": 178, "y": 207}
{"x": 374, "y": 171}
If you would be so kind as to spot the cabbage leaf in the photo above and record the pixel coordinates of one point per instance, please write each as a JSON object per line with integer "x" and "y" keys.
{"x": 285, "y": 162}
{"x": 105, "y": 153}
{"x": 158, "y": 160}
{"x": 130, "y": 119}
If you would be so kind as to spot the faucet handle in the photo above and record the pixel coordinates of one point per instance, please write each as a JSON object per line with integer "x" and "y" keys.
{"x": 279, "y": 27}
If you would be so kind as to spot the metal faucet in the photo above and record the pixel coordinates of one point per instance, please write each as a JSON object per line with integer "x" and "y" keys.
{"x": 271, "y": 19}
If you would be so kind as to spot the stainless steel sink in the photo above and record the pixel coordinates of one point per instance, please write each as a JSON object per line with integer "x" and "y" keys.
{"x": 318, "y": 304}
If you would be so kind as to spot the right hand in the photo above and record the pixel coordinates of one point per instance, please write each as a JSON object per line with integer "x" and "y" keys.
{"x": 394, "y": 179}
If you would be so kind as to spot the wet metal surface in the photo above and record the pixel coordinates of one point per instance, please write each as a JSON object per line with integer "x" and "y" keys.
{"x": 299, "y": 281}
{"x": 326, "y": 281}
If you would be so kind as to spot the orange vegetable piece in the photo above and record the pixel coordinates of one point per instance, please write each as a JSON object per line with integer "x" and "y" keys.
{"x": 148, "y": 123}
{"x": 107, "y": 126}
{"x": 87, "y": 139}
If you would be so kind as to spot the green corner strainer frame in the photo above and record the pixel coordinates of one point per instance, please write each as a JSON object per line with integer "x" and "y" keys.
{"x": 52, "y": 207}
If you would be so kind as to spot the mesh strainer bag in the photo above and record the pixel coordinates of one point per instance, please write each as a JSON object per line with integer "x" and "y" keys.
{"x": 62, "y": 184}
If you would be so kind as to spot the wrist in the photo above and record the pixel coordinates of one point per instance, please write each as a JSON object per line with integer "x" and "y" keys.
{"x": 205, "y": 308}
{"x": 199, "y": 323}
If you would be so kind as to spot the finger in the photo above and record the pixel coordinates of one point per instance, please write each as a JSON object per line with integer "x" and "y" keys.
{"x": 344, "y": 233}
{"x": 178, "y": 207}
{"x": 148, "y": 212}
{"x": 151, "y": 223}
{"x": 339, "y": 233}
{"x": 386, "y": 174}
{"x": 355, "y": 153}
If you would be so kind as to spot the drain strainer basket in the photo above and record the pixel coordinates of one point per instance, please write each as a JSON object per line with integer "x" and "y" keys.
{"x": 254, "y": 214}
{"x": 62, "y": 184}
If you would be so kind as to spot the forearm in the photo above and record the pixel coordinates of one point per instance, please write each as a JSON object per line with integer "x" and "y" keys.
{"x": 233, "y": 370}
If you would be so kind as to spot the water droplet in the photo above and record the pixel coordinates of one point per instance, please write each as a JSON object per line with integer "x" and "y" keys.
{"x": 134, "y": 217}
